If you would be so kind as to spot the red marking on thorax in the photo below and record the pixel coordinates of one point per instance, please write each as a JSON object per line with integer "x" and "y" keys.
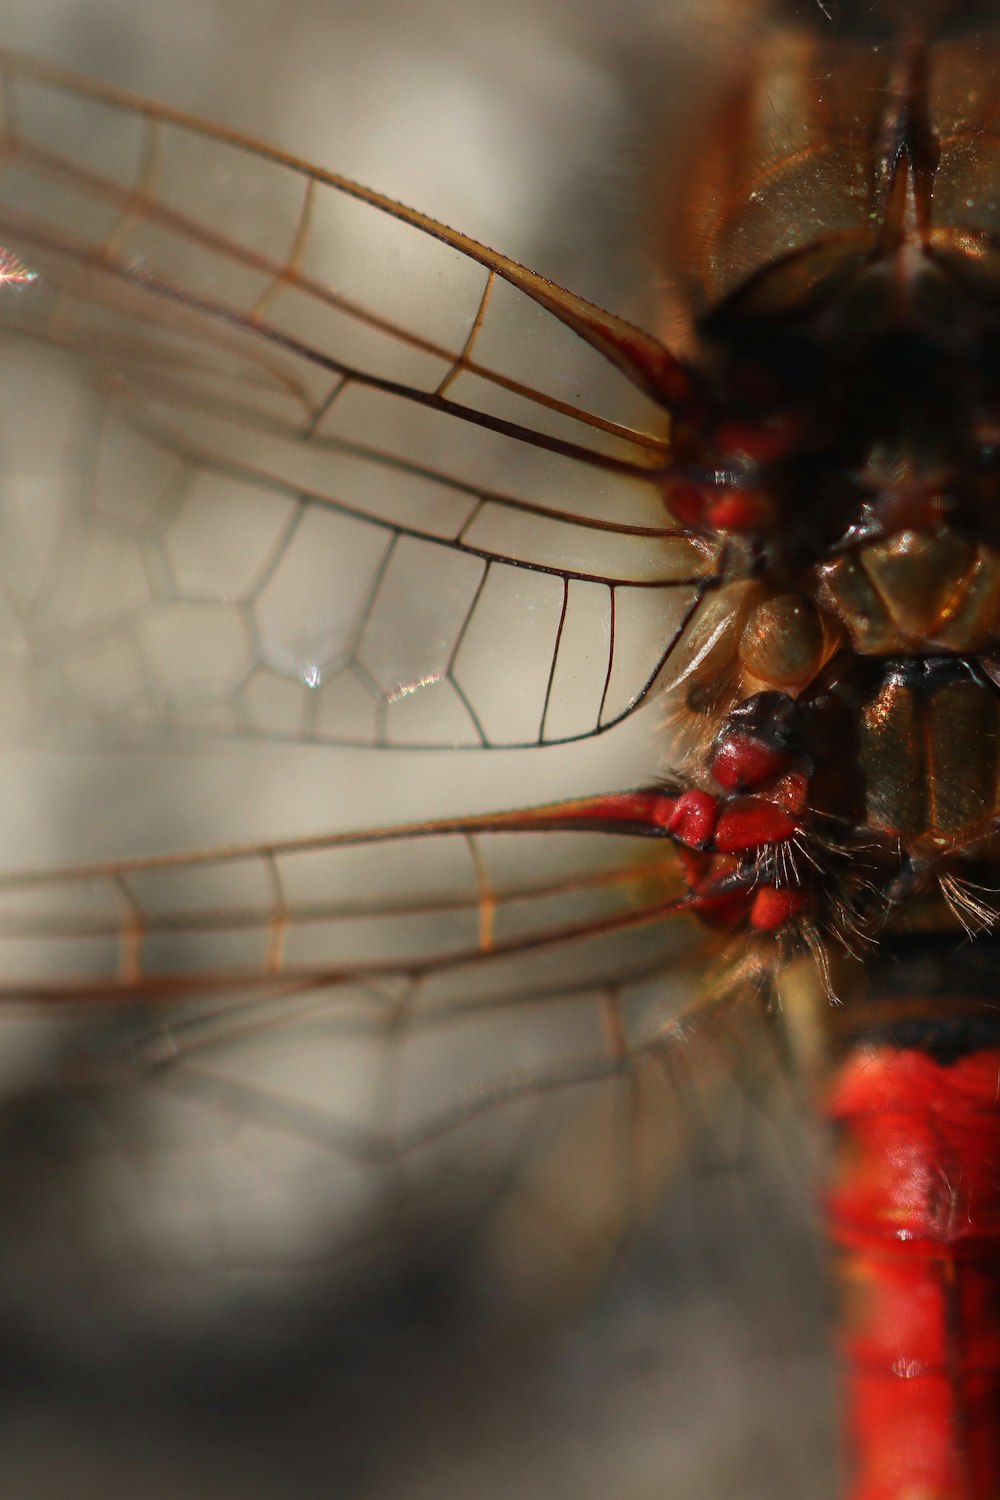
{"x": 745, "y": 760}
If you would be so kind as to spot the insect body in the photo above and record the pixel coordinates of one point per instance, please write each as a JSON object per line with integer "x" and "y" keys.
{"x": 804, "y": 507}
{"x": 848, "y": 442}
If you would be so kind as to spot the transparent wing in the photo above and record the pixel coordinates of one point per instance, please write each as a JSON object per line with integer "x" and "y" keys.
{"x": 469, "y": 1115}
{"x": 295, "y": 537}
{"x": 285, "y": 460}
{"x": 364, "y": 1022}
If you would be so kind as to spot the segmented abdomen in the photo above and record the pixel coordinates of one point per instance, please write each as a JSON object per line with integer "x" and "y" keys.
{"x": 914, "y": 1220}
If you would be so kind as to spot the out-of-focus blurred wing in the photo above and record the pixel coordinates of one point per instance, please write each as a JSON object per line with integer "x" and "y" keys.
{"x": 286, "y": 460}
{"x": 353, "y": 479}
{"x": 334, "y": 1033}
{"x": 460, "y": 1103}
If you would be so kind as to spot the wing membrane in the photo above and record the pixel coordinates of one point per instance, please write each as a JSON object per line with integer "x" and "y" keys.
{"x": 407, "y": 902}
{"x": 288, "y": 461}
{"x": 294, "y": 351}
{"x": 388, "y": 1023}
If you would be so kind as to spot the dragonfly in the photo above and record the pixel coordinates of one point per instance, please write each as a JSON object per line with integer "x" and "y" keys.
{"x": 348, "y": 484}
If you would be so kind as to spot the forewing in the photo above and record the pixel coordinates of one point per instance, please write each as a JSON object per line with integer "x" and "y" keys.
{"x": 355, "y": 478}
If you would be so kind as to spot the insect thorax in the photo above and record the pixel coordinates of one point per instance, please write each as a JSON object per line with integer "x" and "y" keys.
{"x": 845, "y": 441}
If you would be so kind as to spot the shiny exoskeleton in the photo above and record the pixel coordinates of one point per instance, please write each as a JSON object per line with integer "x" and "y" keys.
{"x": 837, "y": 266}
{"x": 830, "y": 592}
{"x": 839, "y": 281}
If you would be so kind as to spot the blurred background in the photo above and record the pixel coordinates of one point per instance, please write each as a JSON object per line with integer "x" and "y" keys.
{"x": 691, "y": 1367}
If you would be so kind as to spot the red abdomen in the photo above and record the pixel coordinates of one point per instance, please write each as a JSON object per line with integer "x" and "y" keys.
{"x": 914, "y": 1220}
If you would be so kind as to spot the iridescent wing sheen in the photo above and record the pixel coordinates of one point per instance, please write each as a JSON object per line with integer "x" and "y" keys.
{"x": 358, "y": 478}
